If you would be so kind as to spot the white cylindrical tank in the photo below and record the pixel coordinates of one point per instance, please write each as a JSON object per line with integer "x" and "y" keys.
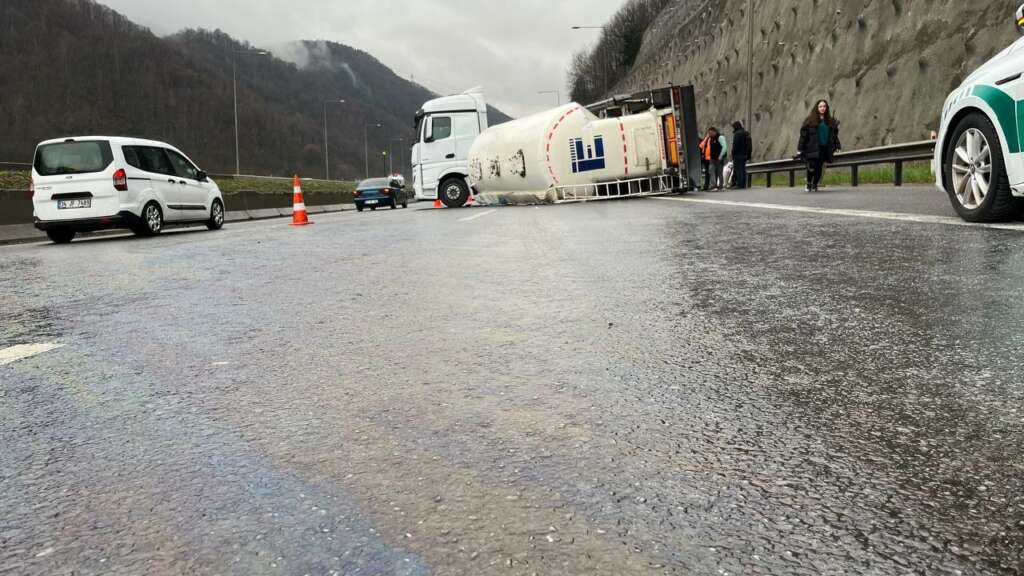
{"x": 523, "y": 161}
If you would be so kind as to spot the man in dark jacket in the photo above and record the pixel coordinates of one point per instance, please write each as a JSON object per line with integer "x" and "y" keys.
{"x": 742, "y": 150}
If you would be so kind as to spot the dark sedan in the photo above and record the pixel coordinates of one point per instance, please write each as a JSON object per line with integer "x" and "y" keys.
{"x": 379, "y": 192}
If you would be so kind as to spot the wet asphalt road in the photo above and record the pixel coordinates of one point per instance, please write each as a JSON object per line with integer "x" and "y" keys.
{"x": 641, "y": 387}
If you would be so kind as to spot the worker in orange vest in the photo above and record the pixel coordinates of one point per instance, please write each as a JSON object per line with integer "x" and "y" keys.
{"x": 710, "y": 151}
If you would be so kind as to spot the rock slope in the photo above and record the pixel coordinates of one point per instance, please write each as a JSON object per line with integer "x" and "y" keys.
{"x": 886, "y": 65}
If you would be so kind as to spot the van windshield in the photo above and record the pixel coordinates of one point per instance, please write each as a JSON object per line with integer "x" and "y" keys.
{"x": 73, "y": 158}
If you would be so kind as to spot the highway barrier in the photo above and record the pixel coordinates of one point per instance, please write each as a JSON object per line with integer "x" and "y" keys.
{"x": 16, "y": 209}
{"x": 896, "y": 155}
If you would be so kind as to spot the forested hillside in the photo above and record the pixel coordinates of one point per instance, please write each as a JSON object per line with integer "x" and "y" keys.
{"x": 74, "y": 67}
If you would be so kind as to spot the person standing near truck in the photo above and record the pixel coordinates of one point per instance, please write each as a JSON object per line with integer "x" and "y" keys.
{"x": 723, "y": 157}
{"x": 819, "y": 141}
{"x": 710, "y": 149}
{"x": 742, "y": 149}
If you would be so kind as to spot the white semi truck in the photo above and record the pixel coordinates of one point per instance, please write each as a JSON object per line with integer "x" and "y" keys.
{"x": 446, "y": 128}
{"x": 634, "y": 145}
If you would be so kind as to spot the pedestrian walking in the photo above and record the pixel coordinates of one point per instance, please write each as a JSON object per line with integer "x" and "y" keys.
{"x": 710, "y": 149}
{"x": 723, "y": 157}
{"x": 819, "y": 141}
{"x": 742, "y": 151}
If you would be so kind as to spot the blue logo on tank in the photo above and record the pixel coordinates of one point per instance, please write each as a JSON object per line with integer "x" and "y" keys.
{"x": 586, "y": 158}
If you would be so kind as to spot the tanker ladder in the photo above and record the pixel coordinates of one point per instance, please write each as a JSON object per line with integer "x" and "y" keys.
{"x": 629, "y": 188}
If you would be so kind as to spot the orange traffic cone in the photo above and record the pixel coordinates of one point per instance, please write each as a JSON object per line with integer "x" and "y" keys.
{"x": 299, "y": 216}
{"x": 437, "y": 203}
{"x": 469, "y": 201}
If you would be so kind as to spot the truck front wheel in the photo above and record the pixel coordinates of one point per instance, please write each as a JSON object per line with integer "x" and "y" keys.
{"x": 454, "y": 192}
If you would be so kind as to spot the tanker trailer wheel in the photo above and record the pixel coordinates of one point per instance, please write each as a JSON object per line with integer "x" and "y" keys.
{"x": 454, "y": 192}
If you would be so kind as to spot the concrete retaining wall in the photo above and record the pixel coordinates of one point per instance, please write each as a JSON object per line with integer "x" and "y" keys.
{"x": 16, "y": 209}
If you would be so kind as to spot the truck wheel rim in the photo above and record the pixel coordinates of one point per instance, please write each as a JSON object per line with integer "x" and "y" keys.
{"x": 218, "y": 214}
{"x": 153, "y": 218}
{"x": 972, "y": 168}
{"x": 452, "y": 192}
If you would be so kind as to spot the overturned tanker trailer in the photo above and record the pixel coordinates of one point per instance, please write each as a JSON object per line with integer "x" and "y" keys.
{"x": 637, "y": 145}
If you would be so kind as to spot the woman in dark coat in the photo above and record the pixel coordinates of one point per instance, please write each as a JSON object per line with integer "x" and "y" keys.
{"x": 819, "y": 141}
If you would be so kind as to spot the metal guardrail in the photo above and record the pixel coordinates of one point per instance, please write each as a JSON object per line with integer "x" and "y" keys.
{"x": 25, "y": 166}
{"x": 896, "y": 155}
{"x": 288, "y": 178}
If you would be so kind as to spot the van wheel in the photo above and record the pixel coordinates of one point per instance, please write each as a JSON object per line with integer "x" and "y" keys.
{"x": 61, "y": 235}
{"x": 216, "y": 221}
{"x": 152, "y": 220}
{"x": 976, "y": 178}
{"x": 454, "y": 192}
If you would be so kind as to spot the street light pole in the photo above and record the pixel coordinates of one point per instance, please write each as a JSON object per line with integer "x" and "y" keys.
{"x": 605, "y": 57}
{"x": 391, "y": 154}
{"x": 750, "y": 65}
{"x": 366, "y": 147}
{"x": 234, "y": 91}
{"x": 327, "y": 164}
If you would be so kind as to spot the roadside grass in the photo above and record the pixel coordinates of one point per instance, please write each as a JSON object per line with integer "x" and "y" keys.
{"x": 913, "y": 173}
{"x": 15, "y": 179}
{"x": 21, "y": 179}
{"x": 281, "y": 185}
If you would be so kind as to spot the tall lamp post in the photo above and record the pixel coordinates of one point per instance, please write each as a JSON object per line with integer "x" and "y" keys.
{"x": 750, "y": 65}
{"x": 605, "y": 57}
{"x": 558, "y": 95}
{"x": 391, "y": 154}
{"x": 366, "y": 147}
{"x": 234, "y": 90}
{"x": 327, "y": 164}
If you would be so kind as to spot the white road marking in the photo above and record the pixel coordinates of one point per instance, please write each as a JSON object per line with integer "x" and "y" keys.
{"x": 475, "y": 216}
{"x": 898, "y": 216}
{"x": 22, "y": 351}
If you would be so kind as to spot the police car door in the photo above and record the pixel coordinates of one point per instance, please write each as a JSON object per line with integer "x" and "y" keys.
{"x": 1006, "y": 73}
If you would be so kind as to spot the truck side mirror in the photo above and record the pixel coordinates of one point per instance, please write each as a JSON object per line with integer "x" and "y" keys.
{"x": 1019, "y": 17}
{"x": 428, "y": 130}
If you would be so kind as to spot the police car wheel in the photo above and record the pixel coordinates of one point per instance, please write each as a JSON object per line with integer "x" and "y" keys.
{"x": 976, "y": 178}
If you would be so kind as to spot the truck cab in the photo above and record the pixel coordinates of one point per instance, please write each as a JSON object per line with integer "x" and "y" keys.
{"x": 446, "y": 128}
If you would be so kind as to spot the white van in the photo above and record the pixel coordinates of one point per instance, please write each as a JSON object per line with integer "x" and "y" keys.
{"x": 99, "y": 182}
{"x": 446, "y": 129}
{"x": 980, "y": 148}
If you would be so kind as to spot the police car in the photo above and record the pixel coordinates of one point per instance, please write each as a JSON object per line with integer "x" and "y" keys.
{"x": 980, "y": 147}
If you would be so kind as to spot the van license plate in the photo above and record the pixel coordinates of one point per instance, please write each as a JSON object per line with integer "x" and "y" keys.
{"x": 70, "y": 204}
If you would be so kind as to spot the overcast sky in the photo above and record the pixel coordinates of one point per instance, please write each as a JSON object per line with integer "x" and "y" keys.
{"x": 513, "y": 48}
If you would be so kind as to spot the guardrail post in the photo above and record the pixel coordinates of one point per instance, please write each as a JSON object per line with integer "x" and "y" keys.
{"x": 792, "y": 178}
{"x": 855, "y": 175}
{"x": 899, "y": 173}
{"x": 769, "y": 174}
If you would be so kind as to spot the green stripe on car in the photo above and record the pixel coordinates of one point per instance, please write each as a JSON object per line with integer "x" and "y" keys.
{"x": 1020, "y": 120}
{"x": 1006, "y": 110}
